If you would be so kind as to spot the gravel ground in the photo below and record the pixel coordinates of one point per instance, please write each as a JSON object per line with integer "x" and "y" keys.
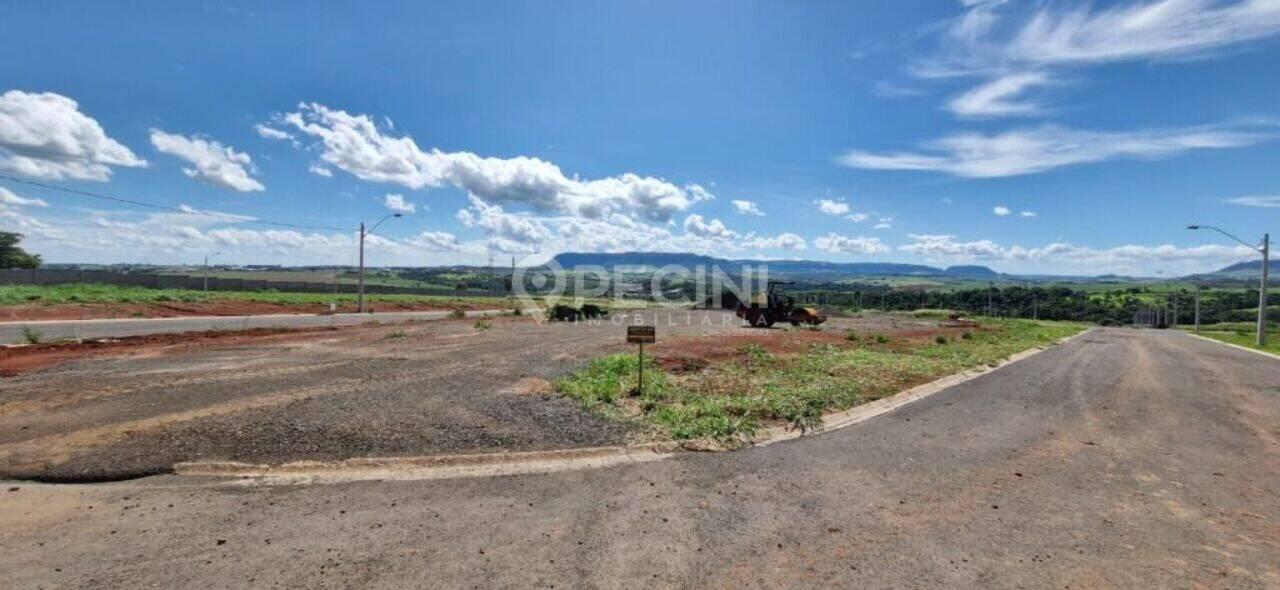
{"x": 433, "y": 388}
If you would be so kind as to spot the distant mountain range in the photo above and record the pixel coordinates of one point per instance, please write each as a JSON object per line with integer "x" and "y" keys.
{"x": 831, "y": 271}
{"x": 812, "y": 269}
{"x": 1251, "y": 269}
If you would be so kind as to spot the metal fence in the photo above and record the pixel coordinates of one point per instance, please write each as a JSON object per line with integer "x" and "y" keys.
{"x": 159, "y": 281}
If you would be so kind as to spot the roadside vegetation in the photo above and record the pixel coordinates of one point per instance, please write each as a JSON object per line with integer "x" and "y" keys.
{"x": 100, "y": 293}
{"x": 730, "y": 399}
{"x": 1242, "y": 333}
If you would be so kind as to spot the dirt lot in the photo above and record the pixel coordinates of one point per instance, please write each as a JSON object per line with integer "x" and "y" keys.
{"x": 91, "y": 311}
{"x": 429, "y": 388}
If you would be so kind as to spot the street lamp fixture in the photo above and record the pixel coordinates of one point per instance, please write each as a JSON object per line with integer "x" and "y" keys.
{"x": 1265, "y": 249}
{"x": 363, "y": 234}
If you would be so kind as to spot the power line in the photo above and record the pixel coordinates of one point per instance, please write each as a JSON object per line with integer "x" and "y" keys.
{"x": 189, "y": 211}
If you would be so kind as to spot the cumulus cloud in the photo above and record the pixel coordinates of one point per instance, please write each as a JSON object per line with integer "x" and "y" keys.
{"x": 831, "y": 207}
{"x": 783, "y": 241}
{"x": 522, "y": 229}
{"x": 1001, "y": 210}
{"x": 747, "y": 208}
{"x": 850, "y": 245}
{"x": 44, "y": 135}
{"x": 1256, "y": 201}
{"x": 1061, "y": 255}
{"x": 1037, "y": 149}
{"x": 7, "y": 197}
{"x": 355, "y": 144}
{"x": 397, "y": 204}
{"x": 319, "y": 170}
{"x": 435, "y": 241}
{"x": 211, "y": 162}
{"x": 695, "y": 225}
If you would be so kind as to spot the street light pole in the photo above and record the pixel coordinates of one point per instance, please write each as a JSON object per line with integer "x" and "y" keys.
{"x": 1262, "y": 291}
{"x": 360, "y": 280}
{"x": 1265, "y": 249}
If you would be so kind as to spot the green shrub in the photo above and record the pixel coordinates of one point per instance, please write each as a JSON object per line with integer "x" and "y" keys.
{"x": 967, "y": 336}
{"x": 483, "y": 325}
{"x": 31, "y": 335}
{"x": 882, "y": 339}
{"x": 940, "y": 339}
{"x": 457, "y": 314}
{"x": 395, "y": 334}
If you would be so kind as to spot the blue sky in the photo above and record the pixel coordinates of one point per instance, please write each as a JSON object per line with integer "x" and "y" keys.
{"x": 1027, "y": 136}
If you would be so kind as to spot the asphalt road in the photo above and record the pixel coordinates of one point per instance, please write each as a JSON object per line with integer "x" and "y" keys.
{"x": 15, "y": 332}
{"x": 1122, "y": 459}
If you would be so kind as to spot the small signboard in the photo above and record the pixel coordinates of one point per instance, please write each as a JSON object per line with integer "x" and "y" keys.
{"x": 641, "y": 335}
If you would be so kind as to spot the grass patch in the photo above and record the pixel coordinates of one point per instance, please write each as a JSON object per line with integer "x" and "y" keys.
{"x": 733, "y": 398}
{"x": 1243, "y": 334}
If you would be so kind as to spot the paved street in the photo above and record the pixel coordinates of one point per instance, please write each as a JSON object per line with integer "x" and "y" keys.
{"x": 13, "y": 332}
{"x": 1121, "y": 459}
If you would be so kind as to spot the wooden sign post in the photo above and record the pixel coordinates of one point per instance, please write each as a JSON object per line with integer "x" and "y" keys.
{"x": 640, "y": 335}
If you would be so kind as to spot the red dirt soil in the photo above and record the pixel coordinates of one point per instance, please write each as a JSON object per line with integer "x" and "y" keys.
{"x": 690, "y": 353}
{"x": 225, "y": 307}
{"x": 20, "y": 359}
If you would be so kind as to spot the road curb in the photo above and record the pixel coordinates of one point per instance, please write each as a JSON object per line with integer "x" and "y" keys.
{"x": 843, "y": 419}
{"x": 432, "y": 466}
{"x": 518, "y": 463}
{"x": 1232, "y": 345}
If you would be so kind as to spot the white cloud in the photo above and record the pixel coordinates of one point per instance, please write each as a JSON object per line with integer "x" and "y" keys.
{"x": 7, "y": 197}
{"x": 1032, "y": 150}
{"x": 999, "y": 97}
{"x": 319, "y": 170}
{"x": 783, "y": 241}
{"x": 44, "y": 135}
{"x": 1001, "y": 210}
{"x": 857, "y": 217}
{"x": 1256, "y": 201}
{"x": 831, "y": 207}
{"x": 435, "y": 241}
{"x": 695, "y": 225}
{"x": 1064, "y": 256}
{"x": 1003, "y": 41}
{"x": 522, "y": 229}
{"x": 397, "y": 204}
{"x": 1140, "y": 30}
{"x": 747, "y": 208}
{"x": 850, "y": 245}
{"x": 1027, "y": 214}
{"x": 271, "y": 132}
{"x": 883, "y": 225}
{"x": 211, "y": 161}
{"x": 355, "y": 144}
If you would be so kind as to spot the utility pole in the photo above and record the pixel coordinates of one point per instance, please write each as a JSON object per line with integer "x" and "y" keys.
{"x": 360, "y": 281}
{"x": 990, "y": 287}
{"x": 1265, "y": 249}
{"x": 1197, "y": 308}
{"x": 1262, "y": 291}
{"x": 206, "y": 273}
